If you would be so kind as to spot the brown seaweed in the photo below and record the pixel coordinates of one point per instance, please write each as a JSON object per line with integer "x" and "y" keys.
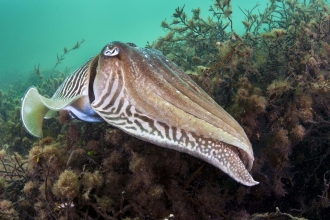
{"x": 275, "y": 82}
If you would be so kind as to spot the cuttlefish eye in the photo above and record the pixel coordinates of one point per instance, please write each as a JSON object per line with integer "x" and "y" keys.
{"x": 110, "y": 52}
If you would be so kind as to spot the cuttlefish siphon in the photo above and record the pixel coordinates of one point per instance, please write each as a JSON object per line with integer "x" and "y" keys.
{"x": 141, "y": 92}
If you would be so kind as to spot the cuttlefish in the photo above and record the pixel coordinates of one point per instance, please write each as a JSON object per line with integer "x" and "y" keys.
{"x": 143, "y": 93}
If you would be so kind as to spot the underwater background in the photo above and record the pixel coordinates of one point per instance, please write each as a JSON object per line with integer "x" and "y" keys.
{"x": 267, "y": 65}
{"x": 34, "y": 31}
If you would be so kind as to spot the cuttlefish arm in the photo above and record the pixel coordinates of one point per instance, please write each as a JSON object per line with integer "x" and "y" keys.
{"x": 143, "y": 93}
{"x": 72, "y": 95}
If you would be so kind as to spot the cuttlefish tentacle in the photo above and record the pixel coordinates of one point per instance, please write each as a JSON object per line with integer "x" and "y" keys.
{"x": 146, "y": 95}
{"x": 141, "y": 94}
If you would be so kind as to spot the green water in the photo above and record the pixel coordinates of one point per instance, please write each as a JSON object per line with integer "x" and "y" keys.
{"x": 34, "y": 31}
{"x": 275, "y": 83}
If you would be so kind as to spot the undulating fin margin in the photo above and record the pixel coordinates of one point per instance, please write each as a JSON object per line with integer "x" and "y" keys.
{"x": 36, "y": 107}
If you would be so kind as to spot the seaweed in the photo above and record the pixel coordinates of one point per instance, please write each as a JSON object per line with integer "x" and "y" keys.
{"x": 275, "y": 83}
{"x": 61, "y": 57}
{"x": 273, "y": 79}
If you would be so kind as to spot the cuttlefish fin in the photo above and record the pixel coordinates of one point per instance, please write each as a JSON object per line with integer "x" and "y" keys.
{"x": 50, "y": 114}
{"x": 35, "y": 108}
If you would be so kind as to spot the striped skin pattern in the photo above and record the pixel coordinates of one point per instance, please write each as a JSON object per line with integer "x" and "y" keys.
{"x": 72, "y": 95}
{"x": 141, "y": 92}
{"x": 75, "y": 84}
{"x": 146, "y": 95}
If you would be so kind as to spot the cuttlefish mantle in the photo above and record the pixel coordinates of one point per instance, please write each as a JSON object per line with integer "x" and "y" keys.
{"x": 143, "y": 93}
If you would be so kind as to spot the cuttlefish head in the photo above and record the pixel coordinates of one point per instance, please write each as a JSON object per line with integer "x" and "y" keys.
{"x": 141, "y": 92}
